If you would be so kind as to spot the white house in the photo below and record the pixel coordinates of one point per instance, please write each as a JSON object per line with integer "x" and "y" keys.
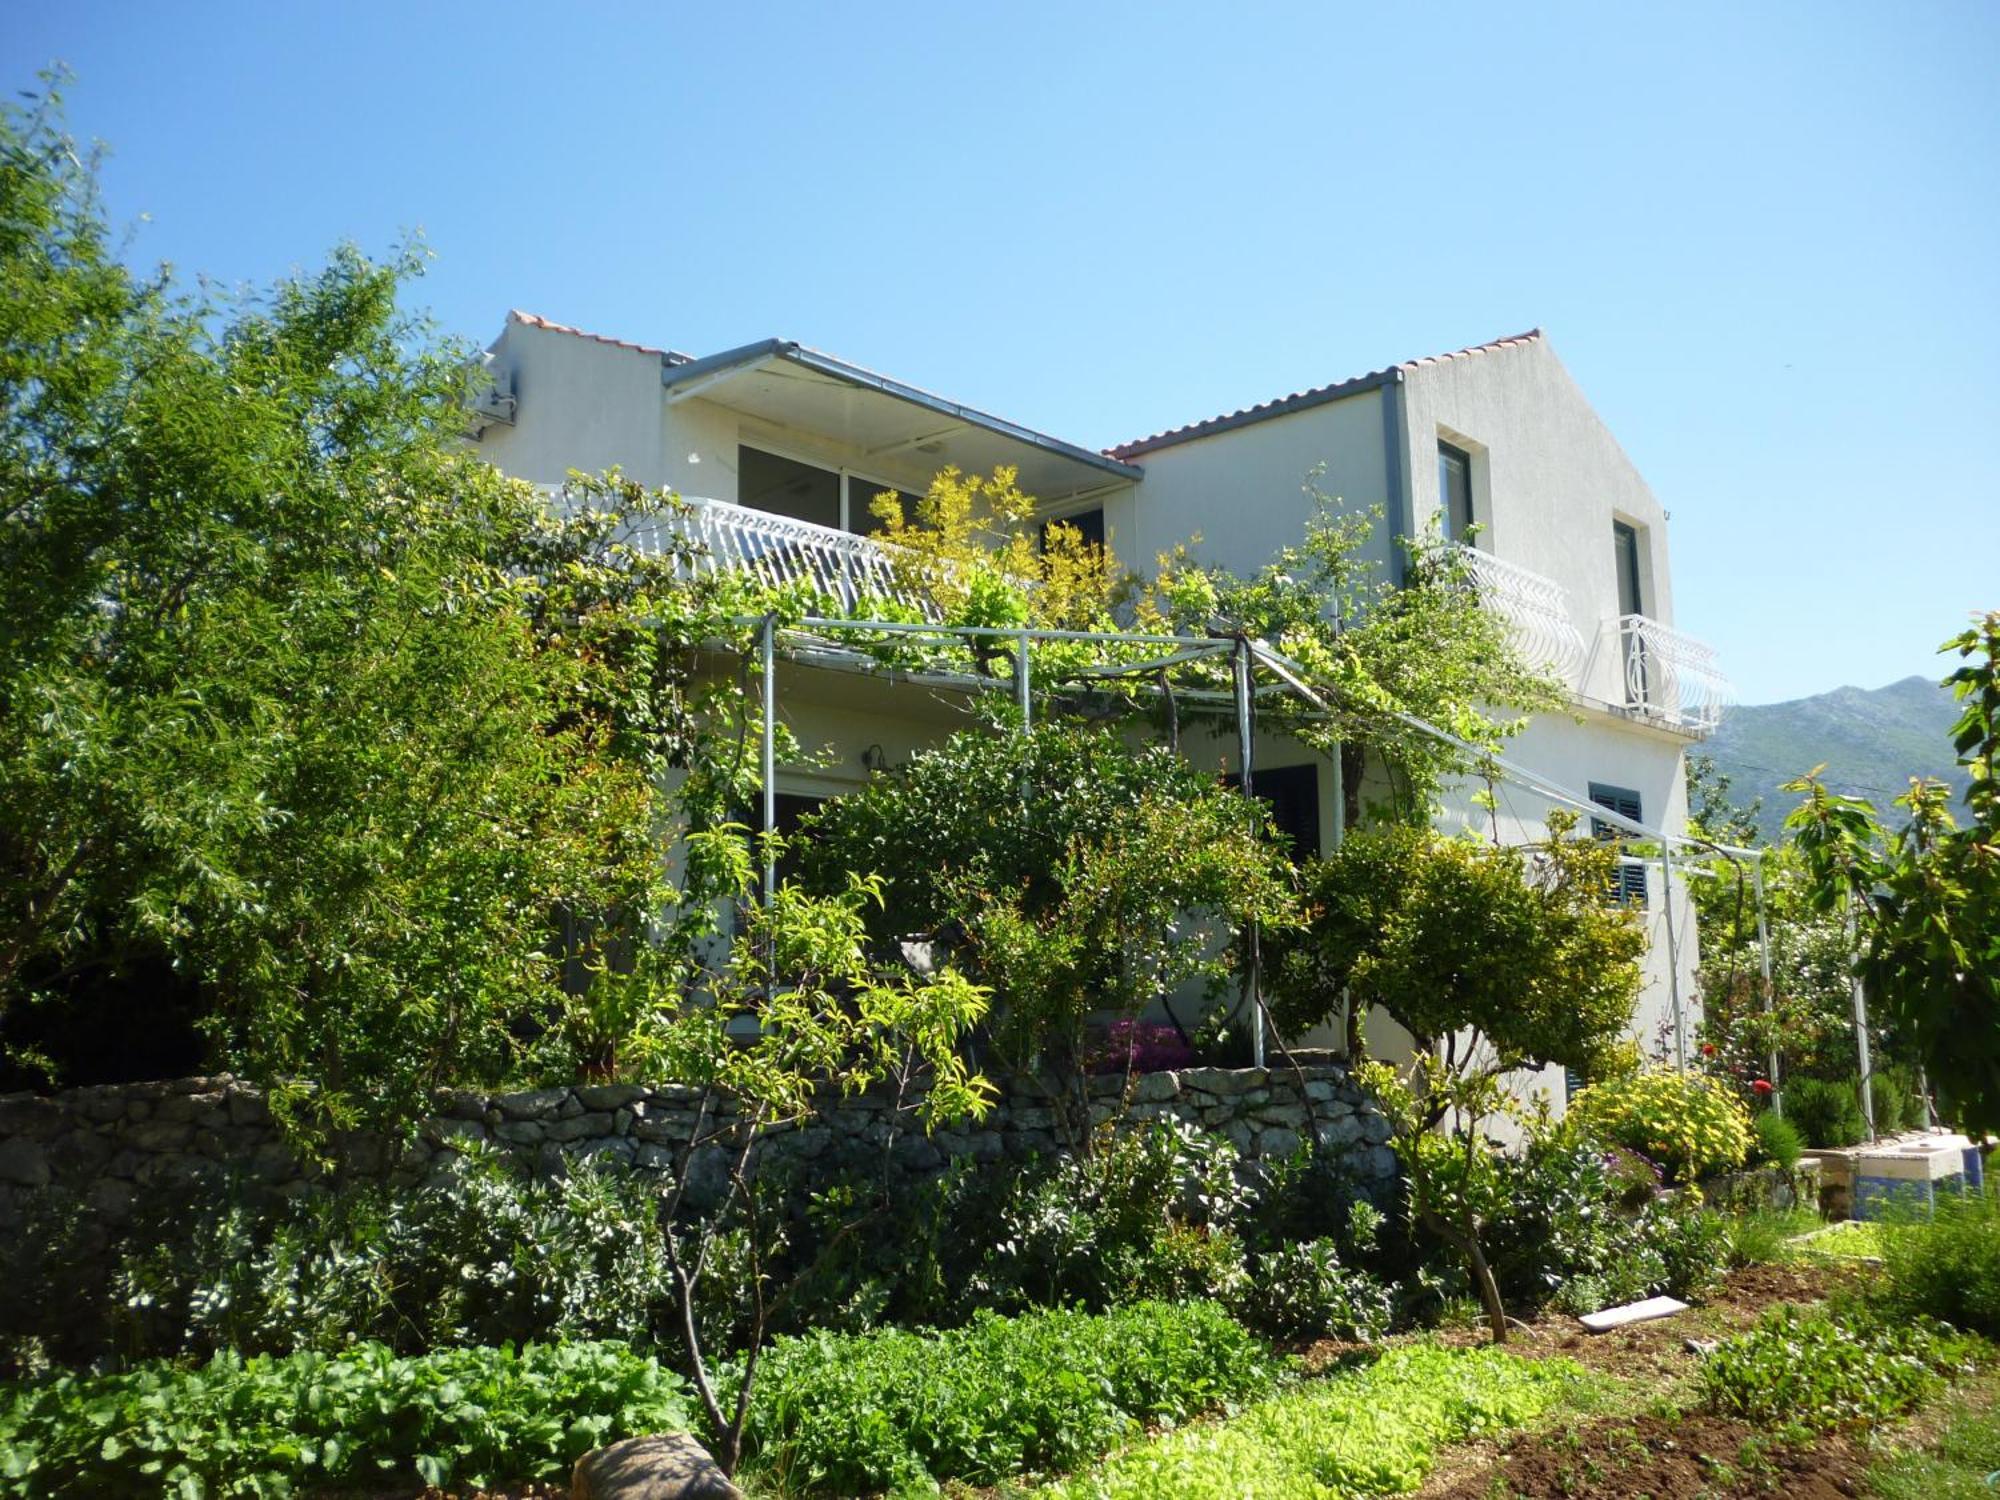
{"x": 780, "y": 447}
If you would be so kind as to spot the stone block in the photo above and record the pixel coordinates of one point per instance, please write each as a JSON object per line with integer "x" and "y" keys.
{"x": 531, "y": 1104}
{"x": 664, "y": 1467}
{"x": 160, "y": 1135}
{"x": 608, "y": 1096}
{"x": 1155, "y": 1088}
{"x": 1278, "y": 1143}
{"x": 1225, "y": 1081}
{"x": 23, "y": 1162}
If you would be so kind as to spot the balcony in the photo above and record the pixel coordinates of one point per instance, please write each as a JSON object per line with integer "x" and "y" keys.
{"x": 1535, "y": 610}
{"x": 1669, "y": 677}
{"x": 779, "y": 550}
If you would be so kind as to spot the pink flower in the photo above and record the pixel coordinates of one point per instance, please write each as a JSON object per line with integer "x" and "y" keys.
{"x": 1762, "y": 1086}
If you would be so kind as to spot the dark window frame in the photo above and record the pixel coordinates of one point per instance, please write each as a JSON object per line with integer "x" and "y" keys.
{"x": 1453, "y": 531}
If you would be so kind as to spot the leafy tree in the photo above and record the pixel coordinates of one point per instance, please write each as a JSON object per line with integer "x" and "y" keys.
{"x": 1070, "y": 870}
{"x": 1493, "y": 959}
{"x": 1925, "y": 897}
{"x": 794, "y": 1012}
{"x": 297, "y": 700}
{"x": 1376, "y": 650}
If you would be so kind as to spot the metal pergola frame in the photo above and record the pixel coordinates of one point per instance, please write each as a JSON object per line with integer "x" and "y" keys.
{"x": 1246, "y": 655}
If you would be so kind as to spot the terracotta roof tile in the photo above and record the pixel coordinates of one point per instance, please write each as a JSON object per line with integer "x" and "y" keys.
{"x": 1299, "y": 400}
{"x": 530, "y": 320}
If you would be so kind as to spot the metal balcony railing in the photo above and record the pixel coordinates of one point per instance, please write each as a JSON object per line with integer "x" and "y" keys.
{"x": 1669, "y": 675}
{"x": 1535, "y": 609}
{"x": 779, "y": 550}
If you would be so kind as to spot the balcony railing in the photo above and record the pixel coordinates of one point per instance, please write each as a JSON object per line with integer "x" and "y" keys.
{"x": 1535, "y": 609}
{"x": 779, "y": 550}
{"x": 1668, "y": 675}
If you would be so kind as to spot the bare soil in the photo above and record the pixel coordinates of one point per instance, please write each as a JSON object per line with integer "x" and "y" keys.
{"x": 1687, "y": 1457}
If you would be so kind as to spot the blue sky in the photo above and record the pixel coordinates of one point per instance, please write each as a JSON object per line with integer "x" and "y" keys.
{"x": 1765, "y": 239}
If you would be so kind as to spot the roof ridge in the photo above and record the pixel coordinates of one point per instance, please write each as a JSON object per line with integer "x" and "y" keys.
{"x": 535, "y": 320}
{"x": 1311, "y": 396}
{"x": 1508, "y": 342}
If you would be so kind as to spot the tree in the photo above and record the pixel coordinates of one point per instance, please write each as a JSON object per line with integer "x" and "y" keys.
{"x": 795, "y": 1012}
{"x": 1493, "y": 960}
{"x": 1378, "y": 651}
{"x": 297, "y": 700}
{"x": 1069, "y": 870}
{"x": 1925, "y": 897}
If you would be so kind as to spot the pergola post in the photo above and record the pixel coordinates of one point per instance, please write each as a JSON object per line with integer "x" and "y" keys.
{"x": 1021, "y": 684}
{"x": 1764, "y": 969}
{"x": 1862, "y": 1050}
{"x": 768, "y": 650}
{"x": 1673, "y": 957}
{"x": 1244, "y": 756}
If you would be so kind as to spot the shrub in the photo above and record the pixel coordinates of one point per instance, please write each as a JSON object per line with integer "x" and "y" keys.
{"x": 1823, "y": 1113}
{"x": 1302, "y": 1291}
{"x": 1778, "y": 1140}
{"x": 1689, "y": 1123}
{"x": 1569, "y": 1232}
{"x": 362, "y": 1417}
{"x": 1815, "y": 1368}
{"x": 1000, "y": 1397}
{"x": 1147, "y": 1213}
{"x": 1691, "y": 1241}
{"x": 1948, "y": 1265}
{"x": 478, "y": 1254}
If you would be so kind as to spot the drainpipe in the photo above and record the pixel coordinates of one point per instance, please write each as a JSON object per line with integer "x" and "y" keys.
{"x": 1395, "y": 446}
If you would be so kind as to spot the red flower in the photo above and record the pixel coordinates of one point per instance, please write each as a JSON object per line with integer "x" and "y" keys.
{"x": 1708, "y": 1049}
{"x": 1761, "y": 1085}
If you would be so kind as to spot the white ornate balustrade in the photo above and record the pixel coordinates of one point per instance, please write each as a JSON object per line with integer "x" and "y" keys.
{"x": 780, "y": 550}
{"x": 1669, "y": 675}
{"x": 1535, "y": 609}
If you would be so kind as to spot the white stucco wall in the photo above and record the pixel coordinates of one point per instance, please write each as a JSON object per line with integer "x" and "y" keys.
{"x": 1548, "y": 481}
{"x": 1242, "y": 490}
{"x": 584, "y": 403}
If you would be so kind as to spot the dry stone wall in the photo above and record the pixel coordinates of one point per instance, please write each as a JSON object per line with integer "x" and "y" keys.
{"x": 108, "y": 1144}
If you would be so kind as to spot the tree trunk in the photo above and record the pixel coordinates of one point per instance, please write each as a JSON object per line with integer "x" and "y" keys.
{"x": 1489, "y": 1289}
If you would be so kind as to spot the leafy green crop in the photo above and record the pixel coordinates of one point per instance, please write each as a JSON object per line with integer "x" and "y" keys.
{"x": 1807, "y": 1368}
{"x": 1371, "y": 1431}
{"x": 264, "y": 1426}
{"x": 1001, "y": 1397}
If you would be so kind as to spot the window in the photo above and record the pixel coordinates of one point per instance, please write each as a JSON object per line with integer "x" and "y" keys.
{"x": 1089, "y": 522}
{"x": 861, "y": 497}
{"x": 1455, "y": 491}
{"x": 792, "y": 806}
{"x": 1292, "y": 795}
{"x": 1630, "y": 885}
{"x": 786, "y": 487}
{"x": 806, "y": 492}
{"x": 1625, "y": 549}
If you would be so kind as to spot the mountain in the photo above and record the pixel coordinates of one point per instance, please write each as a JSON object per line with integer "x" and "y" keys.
{"x": 1873, "y": 740}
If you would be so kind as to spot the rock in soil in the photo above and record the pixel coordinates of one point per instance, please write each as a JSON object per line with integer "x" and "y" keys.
{"x": 666, "y": 1466}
